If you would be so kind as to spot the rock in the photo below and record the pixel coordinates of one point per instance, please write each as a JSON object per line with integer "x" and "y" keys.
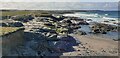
{"x": 106, "y": 21}
{"x": 79, "y": 54}
{"x": 32, "y": 44}
{"x": 78, "y": 50}
{"x": 48, "y": 34}
{"x": 25, "y": 51}
{"x": 89, "y": 20}
{"x": 43, "y": 48}
{"x": 87, "y": 51}
{"x": 87, "y": 48}
{"x": 52, "y": 37}
{"x": 96, "y": 31}
{"x": 102, "y": 28}
{"x": 117, "y": 39}
{"x": 104, "y": 32}
{"x": 113, "y": 52}
{"x": 3, "y": 24}
{"x": 73, "y": 41}
{"x": 62, "y": 36}
{"x": 44, "y": 34}
{"x": 81, "y": 32}
{"x": 18, "y": 24}
{"x": 60, "y": 46}
{"x": 103, "y": 51}
{"x": 83, "y": 23}
{"x": 45, "y": 53}
{"x": 81, "y": 46}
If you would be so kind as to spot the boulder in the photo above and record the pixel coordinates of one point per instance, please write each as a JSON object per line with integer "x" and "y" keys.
{"x": 18, "y": 24}
{"x": 100, "y": 28}
{"x": 83, "y": 23}
{"x": 59, "y": 46}
{"x": 52, "y": 37}
{"x": 80, "y": 32}
{"x": 3, "y": 24}
{"x": 49, "y": 36}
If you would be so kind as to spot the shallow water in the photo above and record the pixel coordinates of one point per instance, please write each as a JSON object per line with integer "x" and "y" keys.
{"x": 85, "y": 28}
{"x": 110, "y": 35}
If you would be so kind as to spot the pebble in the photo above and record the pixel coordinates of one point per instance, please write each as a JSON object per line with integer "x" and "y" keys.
{"x": 87, "y": 51}
{"x": 87, "y": 48}
{"x": 79, "y": 54}
{"x": 78, "y": 50}
{"x": 103, "y": 51}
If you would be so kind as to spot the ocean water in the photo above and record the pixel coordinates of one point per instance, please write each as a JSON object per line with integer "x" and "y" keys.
{"x": 98, "y": 16}
{"x": 111, "y": 14}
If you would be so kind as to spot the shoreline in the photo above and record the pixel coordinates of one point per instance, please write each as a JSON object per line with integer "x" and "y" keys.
{"x": 94, "y": 46}
{"x": 113, "y": 35}
{"x": 60, "y": 36}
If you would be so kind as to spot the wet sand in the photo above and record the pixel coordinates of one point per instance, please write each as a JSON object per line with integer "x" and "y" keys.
{"x": 92, "y": 45}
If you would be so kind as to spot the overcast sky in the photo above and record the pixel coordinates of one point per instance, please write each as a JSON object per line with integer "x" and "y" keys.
{"x": 60, "y": 5}
{"x": 59, "y": 0}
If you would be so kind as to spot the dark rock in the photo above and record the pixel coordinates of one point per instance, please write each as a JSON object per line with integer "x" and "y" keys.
{"x": 104, "y": 32}
{"x": 3, "y": 24}
{"x": 116, "y": 39}
{"x": 103, "y": 51}
{"x": 52, "y": 37}
{"x": 78, "y": 50}
{"x": 99, "y": 28}
{"x": 58, "y": 46}
{"x": 89, "y": 19}
{"x": 83, "y": 23}
{"x": 81, "y": 33}
{"x": 18, "y": 24}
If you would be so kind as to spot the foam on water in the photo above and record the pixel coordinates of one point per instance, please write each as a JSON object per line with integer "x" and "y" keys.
{"x": 95, "y": 17}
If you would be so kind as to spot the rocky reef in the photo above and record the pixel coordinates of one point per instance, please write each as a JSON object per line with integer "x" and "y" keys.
{"x": 102, "y": 28}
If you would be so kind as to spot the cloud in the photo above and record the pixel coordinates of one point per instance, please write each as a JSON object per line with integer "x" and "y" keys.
{"x": 59, "y": 0}
{"x": 40, "y": 0}
{"x": 59, "y": 5}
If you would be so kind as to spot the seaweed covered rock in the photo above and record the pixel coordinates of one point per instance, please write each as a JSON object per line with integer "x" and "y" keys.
{"x": 62, "y": 31}
{"x": 99, "y": 28}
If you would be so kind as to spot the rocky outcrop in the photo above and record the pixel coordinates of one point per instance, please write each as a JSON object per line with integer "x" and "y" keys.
{"x": 102, "y": 28}
{"x": 11, "y": 24}
{"x": 80, "y": 32}
{"x": 12, "y": 40}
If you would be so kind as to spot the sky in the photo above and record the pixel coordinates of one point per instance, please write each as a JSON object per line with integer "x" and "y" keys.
{"x": 59, "y": 0}
{"x": 60, "y": 4}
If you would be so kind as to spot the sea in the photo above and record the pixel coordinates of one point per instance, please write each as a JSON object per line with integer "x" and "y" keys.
{"x": 100, "y": 17}
{"x": 112, "y": 14}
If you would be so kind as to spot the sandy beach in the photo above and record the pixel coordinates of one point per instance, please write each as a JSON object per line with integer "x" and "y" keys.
{"x": 92, "y": 45}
